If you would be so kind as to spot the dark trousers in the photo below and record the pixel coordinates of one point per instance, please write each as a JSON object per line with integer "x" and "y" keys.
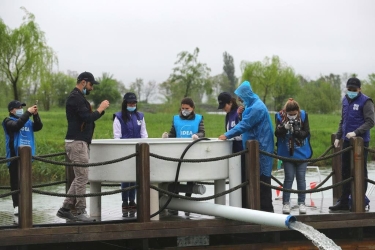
{"x": 13, "y": 172}
{"x": 345, "y": 171}
{"x": 128, "y": 196}
{"x": 266, "y": 195}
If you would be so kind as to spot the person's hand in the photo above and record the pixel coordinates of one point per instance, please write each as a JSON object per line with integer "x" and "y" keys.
{"x": 336, "y": 143}
{"x": 222, "y": 137}
{"x": 297, "y": 133}
{"x": 287, "y": 126}
{"x": 194, "y": 137}
{"x": 164, "y": 135}
{"x": 33, "y": 110}
{"x": 350, "y": 135}
{"x": 240, "y": 110}
{"x": 103, "y": 106}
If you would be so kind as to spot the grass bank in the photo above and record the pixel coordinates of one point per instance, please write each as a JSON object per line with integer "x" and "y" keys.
{"x": 51, "y": 138}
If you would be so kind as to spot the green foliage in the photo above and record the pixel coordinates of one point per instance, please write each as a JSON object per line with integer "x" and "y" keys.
{"x": 108, "y": 89}
{"x": 25, "y": 58}
{"x": 368, "y": 87}
{"x": 272, "y": 78}
{"x": 229, "y": 71}
{"x": 189, "y": 78}
{"x": 62, "y": 86}
{"x": 328, "y": 92}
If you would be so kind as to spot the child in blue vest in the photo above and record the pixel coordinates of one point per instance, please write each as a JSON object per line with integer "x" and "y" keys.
{"x": 129, "y": 123}
{"x": 19, "y": 131}
{"x": 187, "y": 124}
{"x": 293, "y": 141}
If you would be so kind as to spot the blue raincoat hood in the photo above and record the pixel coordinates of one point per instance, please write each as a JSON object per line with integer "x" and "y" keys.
{"x": 255, "y": 125}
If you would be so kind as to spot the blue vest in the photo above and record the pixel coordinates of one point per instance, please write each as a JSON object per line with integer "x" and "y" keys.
{"x": 352, "y": 116}
{"x": 132, "y": 128}
{"x": 232, "y": 119}
{"x": 24, "y": 137}
{"x": 300, "y": 152}
{"x": 186, "y": 128}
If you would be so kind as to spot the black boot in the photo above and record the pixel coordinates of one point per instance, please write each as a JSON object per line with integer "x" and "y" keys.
{"x": 340, "y": 205}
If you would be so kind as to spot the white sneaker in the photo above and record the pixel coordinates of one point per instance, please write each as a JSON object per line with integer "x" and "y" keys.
{"x": 15, "y": 211}
{"x": 84, "y": 217}
{"x": 286, "y": 209}
{"x": 302, "y": 209}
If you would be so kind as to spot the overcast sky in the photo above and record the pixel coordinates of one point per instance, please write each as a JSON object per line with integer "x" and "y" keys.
{"x": 141, "y": 39}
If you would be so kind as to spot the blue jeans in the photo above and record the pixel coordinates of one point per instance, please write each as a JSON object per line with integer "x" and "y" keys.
{"x": 128, "y": 196}
{"x": 298, "y": 170}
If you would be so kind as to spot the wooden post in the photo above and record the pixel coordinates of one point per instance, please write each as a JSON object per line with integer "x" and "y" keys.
{"x": 336, "y": 168}
{"x": 69, "y": 174}
{"x": 143, "y": 181}
{"x": 25, "y": 216}
{"x": 253, "y": 175}
{"x": 357, "y": 171}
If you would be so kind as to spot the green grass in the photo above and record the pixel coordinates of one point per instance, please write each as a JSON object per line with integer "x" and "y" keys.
{"x": 51, "y": 138}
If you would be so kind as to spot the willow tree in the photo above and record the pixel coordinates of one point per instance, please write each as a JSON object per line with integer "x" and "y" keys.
{"x": 191, "y": 76}
{"x": 25, "y": 58}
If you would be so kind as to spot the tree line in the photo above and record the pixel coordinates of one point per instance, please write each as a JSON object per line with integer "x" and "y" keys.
{"x": 27, "y": 73}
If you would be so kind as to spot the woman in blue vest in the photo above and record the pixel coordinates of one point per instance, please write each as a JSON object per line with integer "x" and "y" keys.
{"x": 293, "y": 141}
{"x": 229, "y": 105}
{"x": 19, "y": 131}
{"x": 187, "y": 124}
{"x": 129, "y": 123}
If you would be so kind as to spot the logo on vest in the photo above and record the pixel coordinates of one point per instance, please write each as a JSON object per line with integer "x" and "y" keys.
{"x": 27, "y": 129}
{"x": 184, "y": 133}
{"x": 355, "y": 107}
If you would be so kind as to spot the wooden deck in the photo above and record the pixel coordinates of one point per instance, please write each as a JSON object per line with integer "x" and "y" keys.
{"x": 349, "y": 230}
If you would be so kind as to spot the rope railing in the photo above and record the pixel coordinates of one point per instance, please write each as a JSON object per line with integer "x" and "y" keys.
{"x": 76, "y": 164}
{"x": 9, "y": 194}
{"x": 39, "y": 185}
{"x": 5, "y": 160}
{"x": 197, "y": 160}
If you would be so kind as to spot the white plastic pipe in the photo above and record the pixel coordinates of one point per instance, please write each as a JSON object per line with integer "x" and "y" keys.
{"x": 234, "y": 213}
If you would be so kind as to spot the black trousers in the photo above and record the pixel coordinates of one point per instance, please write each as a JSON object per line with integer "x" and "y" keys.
{"x": 13, "y": 172}
{"x": 266, "y": 195}
{"x": 345, "y": 170}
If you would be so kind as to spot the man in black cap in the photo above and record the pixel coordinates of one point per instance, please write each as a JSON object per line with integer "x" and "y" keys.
{"x": 19, "y": 131}
{"x": 357, "y": 118}
{"x": 81, "y": 124}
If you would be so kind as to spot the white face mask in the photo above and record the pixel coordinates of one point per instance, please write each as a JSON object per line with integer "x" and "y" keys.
{"x": 19, "y": 112}
{"x": 292, "y": 117}
{"x": 185, "y": 112}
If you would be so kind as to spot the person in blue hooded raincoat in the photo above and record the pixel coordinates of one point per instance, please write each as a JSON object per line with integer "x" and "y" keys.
{"x": 256, "y": 125}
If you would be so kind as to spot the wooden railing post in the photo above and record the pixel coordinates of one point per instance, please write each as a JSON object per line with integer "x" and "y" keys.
{"x": 252, "y": 175}
{"x": 357, "y": 171}
{"x": 25, "y": 216}
{"x": 69, "y": 174}
{"x": 336, "y": 168}
{"x": 143, "y": 181}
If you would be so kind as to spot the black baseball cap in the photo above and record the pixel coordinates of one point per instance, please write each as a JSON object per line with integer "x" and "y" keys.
{"x": 130, "y": 97}
{"x": 223, "y": 99}
{"x": 353, "y": 83}
{"x": 87, "y": 76}
{"x": 15, "y": 105}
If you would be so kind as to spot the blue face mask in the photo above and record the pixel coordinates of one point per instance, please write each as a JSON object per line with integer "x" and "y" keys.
{"x": 84, "y": 91}
{"x": 19, "y": 112}
{"x": 131, "y": 109}
{"x": 352, "y": 94}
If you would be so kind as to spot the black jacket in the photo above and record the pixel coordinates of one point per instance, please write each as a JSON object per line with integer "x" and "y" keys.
{"x": 80, "y": 117}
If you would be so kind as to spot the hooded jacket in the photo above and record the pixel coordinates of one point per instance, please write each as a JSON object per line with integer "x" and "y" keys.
{"x": 255, "y": 125}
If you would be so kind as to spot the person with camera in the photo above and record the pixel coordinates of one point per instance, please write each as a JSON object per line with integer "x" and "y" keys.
{"x": 293, "y": 141}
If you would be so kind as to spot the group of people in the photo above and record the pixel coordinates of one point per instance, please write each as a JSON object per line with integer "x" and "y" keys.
{"x": 248, "y": 121}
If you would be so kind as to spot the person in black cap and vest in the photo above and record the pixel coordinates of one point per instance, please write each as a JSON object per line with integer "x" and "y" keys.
{"x": 81, "y": 124}
{"x": 129, "y": 123}
{"x": 229, "y": 105}
{"x": 19, "y": 131}
{"x": 357, "y": 118}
